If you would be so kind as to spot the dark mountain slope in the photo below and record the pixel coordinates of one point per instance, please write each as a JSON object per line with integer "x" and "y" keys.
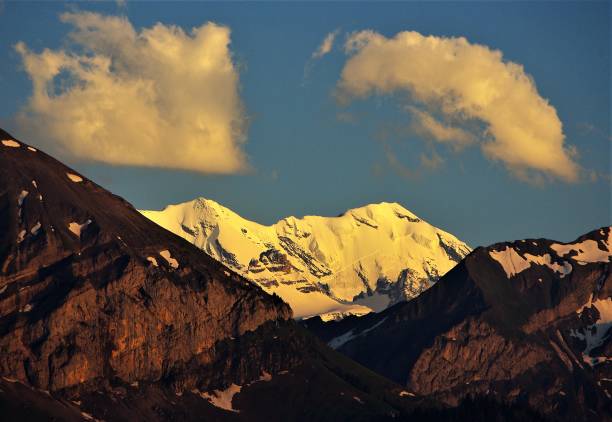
{"x": 525, "y": 322}
{"x": 86, "y": 292}
{"x": 104, "y": 315}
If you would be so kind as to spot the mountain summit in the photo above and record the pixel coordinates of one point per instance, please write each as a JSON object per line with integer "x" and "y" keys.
{"x": 526, "y": 322}
{"x": 365, "y": 259}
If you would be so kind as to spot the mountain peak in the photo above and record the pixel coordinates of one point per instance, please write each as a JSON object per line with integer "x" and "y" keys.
{"x": 88, "y": 285}
{"x": 366, "y": 259}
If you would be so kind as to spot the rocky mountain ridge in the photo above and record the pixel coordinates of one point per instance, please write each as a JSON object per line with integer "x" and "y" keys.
{"x": 525, "y": 322}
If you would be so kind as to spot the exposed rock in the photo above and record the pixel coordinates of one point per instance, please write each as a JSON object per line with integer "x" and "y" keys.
{"x": 525, "y": 322}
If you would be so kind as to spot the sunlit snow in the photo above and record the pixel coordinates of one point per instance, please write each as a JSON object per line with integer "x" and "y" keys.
{"x": 74, "y": 177}
{"x": 34, "y": 230}
{"x": 587, "y": 251}
{"x": 510, "y": 260}
{"x": 595, "y": 334}
{"x": 77, "y": 228}
{"x": 152, "y": 260}
{"x": 223, "y": 398}
{"x": 300, "y": 258}
{"x": 21, "y": 197}
{"x": 168, "y": 257}
{"x": 10, "y": 143}
{"x": 513, "y": 263}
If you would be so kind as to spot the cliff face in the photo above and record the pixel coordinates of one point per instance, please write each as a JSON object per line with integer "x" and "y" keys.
{"x": 523, "y": 322}
{"x": 91, "y": 290}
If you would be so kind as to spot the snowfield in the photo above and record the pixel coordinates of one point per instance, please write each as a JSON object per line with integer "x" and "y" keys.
{"x": 364, "y": 260}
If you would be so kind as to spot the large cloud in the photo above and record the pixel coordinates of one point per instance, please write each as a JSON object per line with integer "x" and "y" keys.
{"x": 159, "y": 97}
{"x": 463, "y": 82}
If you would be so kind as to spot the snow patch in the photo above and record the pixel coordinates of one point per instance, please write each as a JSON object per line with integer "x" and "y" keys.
{"x": 152, "y": 260}
{"x": 32, "y": 149}
{"x": 513, "y": 263}
{"x": 587, "y": 251}
{"x": 546, "y": 260}
{"x": 265, "y": 377}
{"x": 168, "y": 257}
{"x": 357, "y": 399}
{"x": 223, "y": 398}
{"x": 10, "y": 143}
{"x": 74, "y": 177}
{"x": 21, "y": 197}
{"x": 596, "y": 334}
{"x": 87, "y": 416}
{"x": 405, "y": 393}
{"x": 34, "y": 230}
{"x": 34, "y": 184}
{"x": 21, "y": 236}
{"x": 77, "y": 228}
{"x": 510, "y": 260}
{"x": 337, "y": 342}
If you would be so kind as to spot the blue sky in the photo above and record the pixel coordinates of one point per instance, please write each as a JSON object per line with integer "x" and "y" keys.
{"x": 306, "y": 160}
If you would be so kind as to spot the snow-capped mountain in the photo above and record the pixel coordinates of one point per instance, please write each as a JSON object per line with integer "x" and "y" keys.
{"x": 363, "y": 260}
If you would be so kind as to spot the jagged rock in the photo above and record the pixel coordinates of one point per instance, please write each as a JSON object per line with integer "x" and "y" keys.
{"x": 525, "y": 322}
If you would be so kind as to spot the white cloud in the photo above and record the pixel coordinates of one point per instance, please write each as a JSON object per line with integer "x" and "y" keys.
{"x": 427, "y": 125}
{"x": 326, "y": 45}
{"x": 156, "y": 97}
{"x": 463, "y": 82}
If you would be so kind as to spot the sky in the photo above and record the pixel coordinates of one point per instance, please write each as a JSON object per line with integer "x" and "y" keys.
{"x": 488, "y": 120}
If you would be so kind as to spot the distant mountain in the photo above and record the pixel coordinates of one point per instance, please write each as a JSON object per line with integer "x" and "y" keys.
{"x": 106, "y": 316}
{"x": 366, "y": 259}
{"x": 526, "y": 322}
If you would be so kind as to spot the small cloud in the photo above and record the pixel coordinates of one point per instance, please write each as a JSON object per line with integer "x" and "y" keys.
{"x": 326, "y": 45}
{"x": 324, "y": 48}
{"x": 155, "y": 97}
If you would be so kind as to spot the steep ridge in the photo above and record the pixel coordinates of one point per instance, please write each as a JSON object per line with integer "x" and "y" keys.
{"x": 525, "y": 322}
{"x": 366, "y": 259}
{"x": 89, "y": 288}
{"x": 106, "y": 316}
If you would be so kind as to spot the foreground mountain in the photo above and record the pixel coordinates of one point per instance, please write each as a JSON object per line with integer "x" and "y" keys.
{"x": 366, "y": 259}
{"x": 104, "y": 315}
{"x": 525, "y": 322}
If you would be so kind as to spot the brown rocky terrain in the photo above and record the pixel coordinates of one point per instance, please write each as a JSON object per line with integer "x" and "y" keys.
{"x": 91, "y": 290}
{"x": 525, "y": 322}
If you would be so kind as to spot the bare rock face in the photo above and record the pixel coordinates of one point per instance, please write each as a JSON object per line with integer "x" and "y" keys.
{"x": 91, "y": 290}
{"x": 525, "y": 322}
